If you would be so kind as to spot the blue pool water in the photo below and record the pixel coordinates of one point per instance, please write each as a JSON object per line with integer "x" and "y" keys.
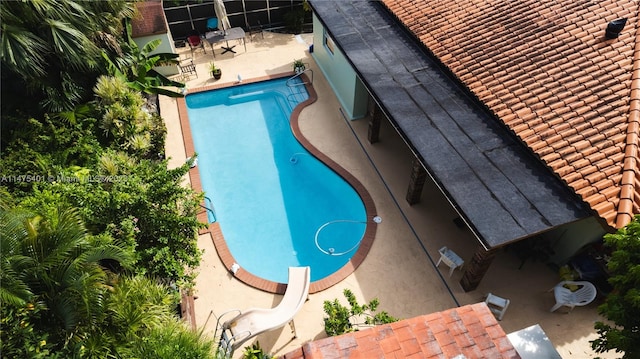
{"x": 276, "y": 204}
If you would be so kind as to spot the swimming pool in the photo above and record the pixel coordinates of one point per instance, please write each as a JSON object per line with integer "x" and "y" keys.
{"x": 276, "y": 204}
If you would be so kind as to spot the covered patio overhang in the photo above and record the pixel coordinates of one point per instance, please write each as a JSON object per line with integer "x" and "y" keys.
{"x": 501, "y": 191}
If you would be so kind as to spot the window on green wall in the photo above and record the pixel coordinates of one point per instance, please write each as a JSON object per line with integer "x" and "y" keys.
{"x": 328, "y": 43}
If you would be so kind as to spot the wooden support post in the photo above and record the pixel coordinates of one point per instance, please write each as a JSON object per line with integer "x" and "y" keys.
{"x": 375, "y": 119}
{"x": 477, "y": 268}
{"x": 416, "y": 183}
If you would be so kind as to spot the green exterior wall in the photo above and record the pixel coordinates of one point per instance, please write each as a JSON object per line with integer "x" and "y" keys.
{"x": 351, "y": 92}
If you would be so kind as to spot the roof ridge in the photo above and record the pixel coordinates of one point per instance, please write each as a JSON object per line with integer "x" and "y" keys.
{"x": 629, "y": 186}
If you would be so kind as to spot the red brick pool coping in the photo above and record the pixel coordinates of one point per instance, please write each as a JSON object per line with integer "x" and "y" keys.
{"x": 214, "y": 228}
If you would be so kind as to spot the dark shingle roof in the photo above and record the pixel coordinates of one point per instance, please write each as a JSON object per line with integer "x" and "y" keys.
{"x": 503, "y": 192}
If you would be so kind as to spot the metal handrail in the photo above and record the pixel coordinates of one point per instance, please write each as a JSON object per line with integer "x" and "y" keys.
{"x": 224, "y": 343}
{"x": 210, "y": 210}
{"x": 289, "y": 84}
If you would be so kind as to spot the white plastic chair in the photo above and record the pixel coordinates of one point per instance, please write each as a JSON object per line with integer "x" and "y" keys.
{"x": 450, "y": 258}
{"x": 497, "y": 305}
{"x": 585, "y": 294}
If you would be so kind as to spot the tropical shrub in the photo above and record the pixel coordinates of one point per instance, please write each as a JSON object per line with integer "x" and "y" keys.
{"x": 172, "y": 341}
{"x": 52, "y": 279}
{"x": 143, "y": 206}
{"x": 136, "y": 66}
{"x": 621, "y": 308}
{"x": 341, "y": 319}
{"x": 95, "y": 205}
{"x": 126, "y": 122}
{"x": 58, "y": 299}
{"x": 73, "y": 158}
{"x": 51, "y": 50}
{"x": 255, "y": 352}
{"x": 42, "y": 148}
{"x": 20, "y": 334}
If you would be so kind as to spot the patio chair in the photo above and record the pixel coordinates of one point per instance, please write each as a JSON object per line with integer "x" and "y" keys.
{"x": 497, "y": 305}
{"x": 255, "y": 29}
{"x": 212, "y": 24}
{"x": 187, "y": 68}
{"x": 195, "y": 41}
{"x": 583, "y": 295}
{"x": 450, "y": 258}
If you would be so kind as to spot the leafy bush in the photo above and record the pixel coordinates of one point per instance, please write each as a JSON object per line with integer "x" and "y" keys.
{"x": 294, "y": 20}
{"x": 72, "y": 160}
{"x": 144, "y": 207}
{"x": 173, "y": 341}
{"x": 255, "y": 352}
{"x": 341, "y": 319}
{"x": 126, "y": 122}
{"x": 622, "y": 306}
{"x": 21, "y": 336}
{"x": 49, "y": 259}
{"x": 43, "y": 148}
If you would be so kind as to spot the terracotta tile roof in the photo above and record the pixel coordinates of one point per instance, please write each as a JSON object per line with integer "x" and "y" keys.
{"x": 470, "y": 330}
{"x": 149, "y": 19}
{"x": 547, "y": 71}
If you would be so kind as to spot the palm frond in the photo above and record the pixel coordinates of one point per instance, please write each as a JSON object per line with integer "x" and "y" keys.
{"x": 64, "y": 308}
{"x": 19, "y": 45}
{"x": 13, "y": 291}
{"x": 70, "y": 44}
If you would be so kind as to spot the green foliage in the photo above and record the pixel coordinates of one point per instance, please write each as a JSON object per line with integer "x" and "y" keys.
{"x": 51, "y": 49}
{"x": 255, "y": 352}
{"x": 58, "y": 299}
{"x": 173, "y": 341}
{"x": 20, "y": 337}
{"x": 95, "y": 206}
{"x": 341, "y": 319}
{"x": 50, "y": 260}
{"x": 42, "y": 148}
{"x": 143, "y": 207}
{"x": 71, "y": 164}
{"x": 294, "y": 20}
{"x": 622, "y": 306}
{"x": 124, "y": 120}
{"x": 136, "y": 67}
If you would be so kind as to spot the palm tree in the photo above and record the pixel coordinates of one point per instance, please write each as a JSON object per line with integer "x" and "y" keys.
{"x": 133, "y": 307}
{"x": 50, "y": 259}
{"x": 13, "y": 289}
{"x": 49, "y": 46}
{"x": 141, "y": 323}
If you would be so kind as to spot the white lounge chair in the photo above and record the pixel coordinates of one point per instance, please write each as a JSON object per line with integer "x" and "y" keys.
{"x": 255, "y": 321}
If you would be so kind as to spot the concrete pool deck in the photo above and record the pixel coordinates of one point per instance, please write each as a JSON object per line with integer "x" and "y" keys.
{"x": 400, "y": 268}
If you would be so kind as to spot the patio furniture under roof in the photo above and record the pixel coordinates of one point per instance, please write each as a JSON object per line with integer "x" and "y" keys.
{"x": 501, "y": 191}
